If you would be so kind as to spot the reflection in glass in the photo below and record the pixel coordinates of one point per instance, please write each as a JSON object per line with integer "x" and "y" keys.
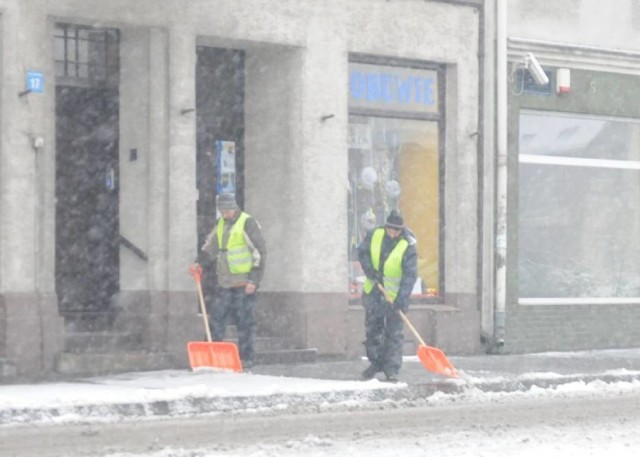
{"x": 579, "y": 218}
{"x": 394, "y": 164}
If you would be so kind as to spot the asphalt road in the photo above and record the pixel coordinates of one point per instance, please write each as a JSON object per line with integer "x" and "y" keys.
{"x": 219, "y": 434}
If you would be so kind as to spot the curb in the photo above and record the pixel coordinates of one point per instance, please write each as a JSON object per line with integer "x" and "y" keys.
{"x": 288, "y": 403}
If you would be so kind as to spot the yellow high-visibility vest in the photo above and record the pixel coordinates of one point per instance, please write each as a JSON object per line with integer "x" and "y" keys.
{"x": 392, "y": 270}
{"x": 239, "y": 256}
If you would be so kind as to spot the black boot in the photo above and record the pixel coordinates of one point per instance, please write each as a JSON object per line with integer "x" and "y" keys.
{"x": 369, "y": 373}
{"x": 391, "y": 377}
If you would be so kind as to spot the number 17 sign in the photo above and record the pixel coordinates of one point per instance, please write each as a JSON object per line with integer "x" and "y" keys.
{"x": 35, "y": 82}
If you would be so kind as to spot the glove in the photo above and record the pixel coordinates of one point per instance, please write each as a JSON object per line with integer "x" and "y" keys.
{"x": 379, "y": 278}
{"x": 400, "y": 305}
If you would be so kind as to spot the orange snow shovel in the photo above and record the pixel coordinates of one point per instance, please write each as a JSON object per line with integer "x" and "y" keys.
{"x": 432, "y": 358}
{"x": 206, "y": 354}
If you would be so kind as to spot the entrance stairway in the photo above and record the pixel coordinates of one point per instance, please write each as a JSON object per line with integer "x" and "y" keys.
{"x": 100, "y": 343}
{"x": 272, "y": 350}
{"x": 97, "y": 345}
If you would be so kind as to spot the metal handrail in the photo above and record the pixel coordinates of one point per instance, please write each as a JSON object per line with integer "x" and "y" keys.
{"x": 133, "y": 248}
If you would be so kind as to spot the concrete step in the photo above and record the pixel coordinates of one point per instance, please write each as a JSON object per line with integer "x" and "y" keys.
{"x": 8, "y": 370}
{"x": 89, "y": 322}
{"x": 264, "y": 343}
{"x": 271, "y": 350}
{"x": 286, "y": 356}
{"x": 102, "y": 342}
{"x": 94, "y": 364}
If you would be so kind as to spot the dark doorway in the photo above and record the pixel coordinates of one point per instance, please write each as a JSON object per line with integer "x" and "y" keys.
{"x": 87, "y": 198}
{"x": 87, "y": 225}
{"x": 220, "y": 121}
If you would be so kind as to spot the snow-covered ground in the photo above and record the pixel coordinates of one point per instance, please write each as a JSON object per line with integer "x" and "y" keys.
{"x": 170, "y": 385}
{"x": 619, "y": 437}
{"x": 536, "y": 442}
{"x": 183, "y": 389}
{"x": 567, "y": 439}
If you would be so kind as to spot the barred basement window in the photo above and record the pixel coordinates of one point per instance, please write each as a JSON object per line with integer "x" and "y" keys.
{"x": 86, "y": 56}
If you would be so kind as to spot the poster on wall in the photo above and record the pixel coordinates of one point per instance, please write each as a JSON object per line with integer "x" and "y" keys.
{"x": 225, "y": 167}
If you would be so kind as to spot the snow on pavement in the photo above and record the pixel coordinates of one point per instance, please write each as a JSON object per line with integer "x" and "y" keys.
{"x": 170, "y": 385}
{"x": 571, "y": 438}
{"x": 183, "y": 385}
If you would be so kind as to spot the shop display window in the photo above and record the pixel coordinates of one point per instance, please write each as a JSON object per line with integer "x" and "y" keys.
{"x": 579, "y": 208}
{"x": 394, "y": 164}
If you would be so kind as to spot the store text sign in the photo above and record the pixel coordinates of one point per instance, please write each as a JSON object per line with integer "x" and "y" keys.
{"x": 393, "y": 88}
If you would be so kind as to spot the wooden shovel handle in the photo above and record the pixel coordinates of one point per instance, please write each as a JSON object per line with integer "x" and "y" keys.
{"x": 402, "y": 315}
{"x": 196, "y": 272}
{"x": 411, "y": 327}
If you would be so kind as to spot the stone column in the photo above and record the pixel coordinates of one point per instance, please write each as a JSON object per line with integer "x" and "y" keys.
{"x": 322, "y": 205}
{"x": 158, "y": 227}
{"x": 158, "y": 161}
{"x": 30, "y": 326}
{"x": 182, "y": 195}
{"x": 296, "y": 185}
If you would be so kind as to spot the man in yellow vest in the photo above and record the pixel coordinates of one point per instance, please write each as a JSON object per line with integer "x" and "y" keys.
{"x": 237, "y": 245}
{"x": 389, "y": 258}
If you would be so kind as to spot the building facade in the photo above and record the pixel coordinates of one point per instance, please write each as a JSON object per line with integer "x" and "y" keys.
{"x": 572, "y": 186}
{"x": 121, "y": 121}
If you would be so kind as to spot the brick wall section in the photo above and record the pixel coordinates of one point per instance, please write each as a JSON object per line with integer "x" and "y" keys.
{"x": 574, "y": 327}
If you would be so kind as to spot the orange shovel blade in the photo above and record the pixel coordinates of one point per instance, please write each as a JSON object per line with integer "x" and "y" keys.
{"x": 433, "y": 359}
{"x": 222, "y": 355}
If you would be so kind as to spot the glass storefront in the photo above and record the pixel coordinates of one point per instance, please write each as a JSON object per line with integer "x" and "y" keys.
{"x": 394, "y": 163}
{"x": 579, "y": 207}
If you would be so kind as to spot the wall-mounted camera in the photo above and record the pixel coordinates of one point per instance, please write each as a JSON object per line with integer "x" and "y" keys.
{"x": 535, "y": 69}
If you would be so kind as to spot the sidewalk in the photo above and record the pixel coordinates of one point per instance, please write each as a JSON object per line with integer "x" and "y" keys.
{"x": 299, "y": 387}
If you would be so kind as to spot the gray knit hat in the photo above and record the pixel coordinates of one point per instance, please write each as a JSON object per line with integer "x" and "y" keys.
{"x": 395, "y": 221}
{"x": 226, "y": 202}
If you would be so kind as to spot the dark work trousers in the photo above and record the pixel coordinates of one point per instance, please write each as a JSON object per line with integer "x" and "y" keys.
{"x": 235, "y": 302}
{"x": 383, "y": 330}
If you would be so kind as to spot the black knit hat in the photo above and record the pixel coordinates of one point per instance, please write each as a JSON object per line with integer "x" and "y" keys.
{"x": 226, "y": 202}
{"x": 394, "y": 220}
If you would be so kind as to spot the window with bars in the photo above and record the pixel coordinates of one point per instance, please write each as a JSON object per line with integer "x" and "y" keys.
{"x": 86, "y": 56}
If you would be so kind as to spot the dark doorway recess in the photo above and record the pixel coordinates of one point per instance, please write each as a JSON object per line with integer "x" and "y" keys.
{"x": 220, "y": 117}
{"x": 87, "y": 198}
{"x": 87, "y": 223}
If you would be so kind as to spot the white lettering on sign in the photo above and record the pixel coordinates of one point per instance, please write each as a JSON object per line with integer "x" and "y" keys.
{"x": 389, "y": 88}
{"x": 393, "y": 88}
{"x": 35, "y": 82}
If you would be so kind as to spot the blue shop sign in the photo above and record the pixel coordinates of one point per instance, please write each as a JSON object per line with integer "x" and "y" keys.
{"x": 393, "y": 88}
{"x": 35, "y": 82}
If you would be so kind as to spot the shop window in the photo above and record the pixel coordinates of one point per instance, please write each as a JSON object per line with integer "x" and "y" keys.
{"x": 86, "y": 56}
{"x": 579, "y": 209}
{"x": 394, "y": 163}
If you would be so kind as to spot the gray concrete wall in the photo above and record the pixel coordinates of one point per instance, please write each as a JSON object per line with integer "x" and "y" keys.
{"x": 272, "y": 151}
{"x": 296, "y": 164}
{"x": 583, "y": 22}
{"x": 27, "y": 308}
{"x": 306, "y": 233}
{"x": 134, "y": 134}
{"x": 378, "y": 28}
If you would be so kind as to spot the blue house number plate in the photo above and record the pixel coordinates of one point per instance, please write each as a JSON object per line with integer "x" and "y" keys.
{"x": 35, "y": 82}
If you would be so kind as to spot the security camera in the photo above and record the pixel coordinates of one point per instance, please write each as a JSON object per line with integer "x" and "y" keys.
{"x": 535, "y": 69}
